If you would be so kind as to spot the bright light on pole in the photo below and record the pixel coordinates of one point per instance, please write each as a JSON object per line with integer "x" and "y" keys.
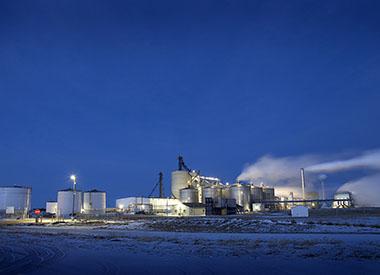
{"x": 74, "y": 179}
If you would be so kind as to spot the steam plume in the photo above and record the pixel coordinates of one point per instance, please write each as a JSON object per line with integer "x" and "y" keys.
{"x": 367, "y": 160}
{"x": 365, "y": 191}
{"x": 273, "y": 169}
{"x": 282, "y": 173}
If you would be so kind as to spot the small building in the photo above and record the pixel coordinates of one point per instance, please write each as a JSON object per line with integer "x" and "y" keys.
{"x": 342, "y": 200}
{"x": 257, "y": 207}
{"x": 300, "y": 211}
{"x": 51, "y": 207}
{"x": 159, "y": 206}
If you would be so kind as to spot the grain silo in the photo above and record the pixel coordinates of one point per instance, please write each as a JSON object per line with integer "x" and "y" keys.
{"x": 189, "y": 195}
{"x": 213, "y": 192}
{"x": 242, "y": 194}
{"x": 180, "y": 180}
{"x": 256, "y": 194}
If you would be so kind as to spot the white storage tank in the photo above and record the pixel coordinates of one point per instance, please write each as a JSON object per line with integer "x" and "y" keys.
{"x": 66, "y": 200}
{"x": 215, "y": 193}
{"x": 256, "y": 194}
{"x": 189, "y": 195}
{"x": 242, "y": 194}
{"x": 94, "y": 202}
{"x": 268, "y": 193}
{"x": 15, "y": 198}
{"x": 180, "y": 179}
{"x": 51, "y": 207}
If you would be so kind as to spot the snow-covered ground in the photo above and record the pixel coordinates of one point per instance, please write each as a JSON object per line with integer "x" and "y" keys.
{"x": 215, "y": 246}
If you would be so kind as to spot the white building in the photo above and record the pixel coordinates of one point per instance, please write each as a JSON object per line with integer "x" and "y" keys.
{"x": 159, "y": 206}
{"x": 300, "y": 211}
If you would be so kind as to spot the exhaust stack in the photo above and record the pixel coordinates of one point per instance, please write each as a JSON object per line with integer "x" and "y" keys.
{"x": 303, "y": 183}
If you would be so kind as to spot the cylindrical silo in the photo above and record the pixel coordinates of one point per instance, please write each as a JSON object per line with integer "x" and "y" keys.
{"x": 180, "y": 179}
{"x": 215, "y": 193}
{"x": 188, "y": 195}
{"x": 256, "y": 194}
{"x": 15, "y": 200}
{"x": 268, "y": 193}
{"x": 94, "y": 202}
{"x": 51, "y": 207}
{"x": 242, "y": 194}
{"x": 67, "y": 200}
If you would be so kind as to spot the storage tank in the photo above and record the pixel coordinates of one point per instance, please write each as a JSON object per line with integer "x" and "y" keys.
{"x": 256, "y": 194}
{"x": 180, "y": 179}
{"x": 242, "y": 194}
{"x": 66, "y": 200}
{"x": 215, "y": 193}
{"x": 94, "y": 202}
{"x": 15, "y": 200}
{"x": 51, "y": 207}
{"x": 189, "y": 195}
{"x": 268, "y": 193}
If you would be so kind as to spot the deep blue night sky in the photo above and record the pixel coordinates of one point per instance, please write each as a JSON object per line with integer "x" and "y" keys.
{"x": 114, "y": 90}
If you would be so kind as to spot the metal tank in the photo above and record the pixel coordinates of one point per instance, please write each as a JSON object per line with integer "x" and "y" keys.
{"x": 180, "y": 179}
{"x": 256, "y": 194}
{"x": 268, "y": 193}
{"x": 67, "y": 199}
{"x": 189, "y": 195}
{"x": 15, "y": 200}
{"x": 94, "y": 202}
{"x": 51, "y": 207}
{"x": 215, "y": 193}
{"x": 242, "y": 194}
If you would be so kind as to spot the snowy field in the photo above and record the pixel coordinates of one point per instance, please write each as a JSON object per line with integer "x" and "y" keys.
{"x": 194, "y": 246}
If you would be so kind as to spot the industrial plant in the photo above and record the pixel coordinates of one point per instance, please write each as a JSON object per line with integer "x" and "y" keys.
{"x": 192, "y": 194}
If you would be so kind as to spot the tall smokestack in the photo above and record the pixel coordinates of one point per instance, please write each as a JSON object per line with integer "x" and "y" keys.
{"x": 303, "y": 183}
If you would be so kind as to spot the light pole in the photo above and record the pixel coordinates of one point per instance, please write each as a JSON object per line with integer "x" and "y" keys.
{"x": 74, "y": 179}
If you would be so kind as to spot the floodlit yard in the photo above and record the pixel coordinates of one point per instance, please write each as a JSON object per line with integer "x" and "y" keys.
{"x": 195, "y": 246}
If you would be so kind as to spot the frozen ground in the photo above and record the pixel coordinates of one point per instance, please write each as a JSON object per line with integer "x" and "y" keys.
{"x": 156, "y": 246}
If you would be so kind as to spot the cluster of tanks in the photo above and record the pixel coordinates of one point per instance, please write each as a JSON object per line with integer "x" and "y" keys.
{"x": 190, "y": 187}
{"x": 70, "y": 202}
{"x": 15, "y": 201}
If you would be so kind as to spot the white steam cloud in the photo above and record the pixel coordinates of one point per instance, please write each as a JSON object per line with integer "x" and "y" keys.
{"x": 284, "y": 173}
{"x": 367, "y": 160}
{"x": 365, "y": 191}
{"x": 273, "y": 169}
